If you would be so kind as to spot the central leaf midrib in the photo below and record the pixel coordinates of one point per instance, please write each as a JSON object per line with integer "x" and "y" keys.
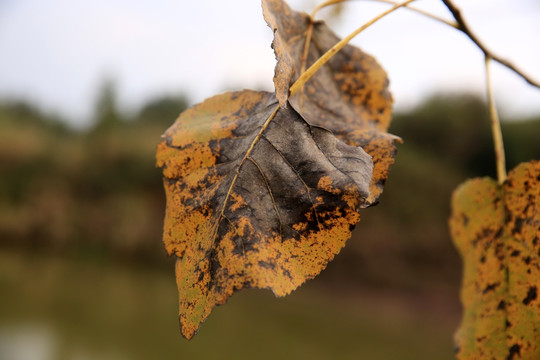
{"x": 235, "y": 178}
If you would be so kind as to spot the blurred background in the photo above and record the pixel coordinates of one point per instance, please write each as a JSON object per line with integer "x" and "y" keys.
{"x": 86, "y": 89}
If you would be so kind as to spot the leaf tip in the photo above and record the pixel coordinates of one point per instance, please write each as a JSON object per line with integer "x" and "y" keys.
{"x": 188, "y": 332}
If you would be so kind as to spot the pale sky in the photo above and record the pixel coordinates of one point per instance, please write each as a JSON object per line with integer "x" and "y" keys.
{"x": 58, "y": 52}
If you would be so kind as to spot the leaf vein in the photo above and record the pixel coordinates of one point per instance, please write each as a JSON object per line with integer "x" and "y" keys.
{"x": 308, "y": 189}
{"x": 330, "y": 160}
{"x": 270, "y": 193}
{"x": 233, "y": 182}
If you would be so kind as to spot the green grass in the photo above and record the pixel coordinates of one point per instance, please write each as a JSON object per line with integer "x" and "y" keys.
{"x": 107, "y": 311}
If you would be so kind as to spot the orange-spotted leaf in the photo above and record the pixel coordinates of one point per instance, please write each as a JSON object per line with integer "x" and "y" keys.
{"x": 256, "y": 198}
{"x": 497, "y": 232}
{"x": 349, "y": 95}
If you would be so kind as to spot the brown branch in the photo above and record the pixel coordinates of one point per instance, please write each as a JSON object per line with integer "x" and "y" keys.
{"x": 464, "y": 28}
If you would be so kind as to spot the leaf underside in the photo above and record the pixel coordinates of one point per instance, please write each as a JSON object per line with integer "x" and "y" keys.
{"x": 263, "y": 190}
{"x": 497, "y": 232}
{"x": 349, "y": 95}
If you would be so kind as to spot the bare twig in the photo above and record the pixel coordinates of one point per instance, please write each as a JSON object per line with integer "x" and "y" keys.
{"x": 460, "y": 24}
{"x": 420, "y": 11}
{"x": 309, "y": 34}
{"x": 323, "y": 5}
{"x": 495, "y": 128}
{"x": 464, "y": 27}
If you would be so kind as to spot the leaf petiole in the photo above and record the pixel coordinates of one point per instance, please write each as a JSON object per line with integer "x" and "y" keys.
{"x": 306, "y": 75}
{"x": 495, "y": 127}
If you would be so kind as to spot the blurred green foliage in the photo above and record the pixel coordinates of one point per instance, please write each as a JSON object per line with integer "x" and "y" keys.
{"x": 456, "y": 129}
{"x": 97, "y": 193}
{"x": 75, "y": 203}
{"x": 91, "y": 193}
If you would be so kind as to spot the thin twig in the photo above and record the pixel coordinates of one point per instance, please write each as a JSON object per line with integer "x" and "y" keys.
{"x": 309, "y": 34}
{"x": 464, "y": 27}
{"x": 423, "y": 12}
{"x": 459, "y": 24}
{"x": 495, "y": 128}
{"x": 299, "y": 83}
{"x": 420, "y": 11}
{"x": 323, "y": 5}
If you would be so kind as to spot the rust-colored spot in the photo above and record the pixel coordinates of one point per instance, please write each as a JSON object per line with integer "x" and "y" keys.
{"x": 325, "y": 183}
{"x": 237, "y": 202}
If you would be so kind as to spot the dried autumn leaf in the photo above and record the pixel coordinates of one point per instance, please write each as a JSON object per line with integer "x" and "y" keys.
{"x": 497, "y": 232}
{"x": 254, "y": 200}
{"x": 349, "y": 95}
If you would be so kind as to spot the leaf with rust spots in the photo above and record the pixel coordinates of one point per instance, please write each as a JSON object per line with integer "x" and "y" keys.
{"x": 497, "y": 232}
{"x": 256, "y": 197}
{"x": 349, "y": 95}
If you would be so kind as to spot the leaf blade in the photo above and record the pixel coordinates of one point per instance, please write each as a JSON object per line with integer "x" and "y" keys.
{"x": 274, "y": 204}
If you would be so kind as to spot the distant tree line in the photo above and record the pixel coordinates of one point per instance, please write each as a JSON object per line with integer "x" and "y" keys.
{"x": 97, "y": 193}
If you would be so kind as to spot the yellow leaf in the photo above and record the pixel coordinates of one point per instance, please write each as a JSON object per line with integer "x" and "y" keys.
{"x": 497, "y": 232}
